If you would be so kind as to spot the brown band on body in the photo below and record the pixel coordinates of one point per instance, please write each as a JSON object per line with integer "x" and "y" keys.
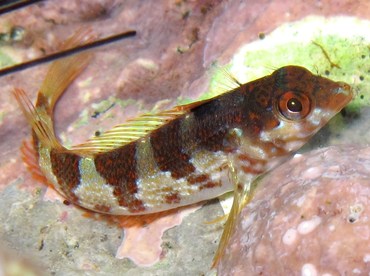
{"x": 214, "y": 120}
{"x": 65, "y": 167}
{"x": 168, "y": 150}
{"x": 118, "y": 167}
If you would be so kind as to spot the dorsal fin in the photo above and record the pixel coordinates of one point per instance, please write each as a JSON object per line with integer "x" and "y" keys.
{"x": 223, "y": 80}
{"x": 137, "y": 128}
{"x": 132, "y": 130}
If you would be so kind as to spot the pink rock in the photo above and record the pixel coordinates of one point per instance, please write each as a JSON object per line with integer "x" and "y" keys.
{"x": 310, "y": 216}
{"x": 142, "y": 244}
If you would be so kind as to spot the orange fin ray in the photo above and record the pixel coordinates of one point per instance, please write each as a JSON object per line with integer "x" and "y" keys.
{"x": 40, "y": 125}
{"x": 29, "y": 157}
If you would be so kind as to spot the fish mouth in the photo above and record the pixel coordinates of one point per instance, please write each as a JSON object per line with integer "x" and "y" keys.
{"x": 343, "y": 95}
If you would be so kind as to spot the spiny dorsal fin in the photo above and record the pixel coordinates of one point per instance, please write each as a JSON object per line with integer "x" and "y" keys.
{"x": 41, "y": 123}
{"x": 222, "y": 80}
{"x": 132, "y": 130}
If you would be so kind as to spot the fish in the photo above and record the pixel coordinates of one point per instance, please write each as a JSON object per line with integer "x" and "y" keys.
{"x": 184, "y": 155}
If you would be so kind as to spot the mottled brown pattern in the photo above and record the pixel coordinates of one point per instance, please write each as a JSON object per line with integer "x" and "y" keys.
{"x": 168, "y": 150}
{"x": 210, "y": 184}
{"x": 195, "y": 179}
{"x": 253, "y": 161}
{"x": 214, "y": 120}
{"x": 66, "y": 170}
{"x": 102, "y": 208}
{"x": 172, "y": 198}
{"x": 251, "y": 170}
{"x": 118, "y": 167}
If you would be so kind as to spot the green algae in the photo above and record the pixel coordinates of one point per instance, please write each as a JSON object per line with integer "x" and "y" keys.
{"x": 336, "y": 47}
{"x": 5, "y": 60}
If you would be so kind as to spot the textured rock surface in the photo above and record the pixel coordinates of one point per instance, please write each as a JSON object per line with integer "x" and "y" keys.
{"x": 168, "y": 58}
{"x": 310, "y": 216}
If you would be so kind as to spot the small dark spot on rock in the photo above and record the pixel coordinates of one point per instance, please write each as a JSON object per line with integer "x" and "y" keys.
{"x": 351, "y": 220}
{"x": 185, "y": 15}
{"x": 363, "y": 56}
{"x": 95, "y": 114}
{"x": 97, "y": 133}
{"x": 66, "y": 202}
{"x": 168, "y": 245}
{"x": 362, "y": 78}
{"x": 180, "y": 50}
{"x": 41, "y": 245}
{"x": 261, "y": 36}
{"x": 327, "y": 72}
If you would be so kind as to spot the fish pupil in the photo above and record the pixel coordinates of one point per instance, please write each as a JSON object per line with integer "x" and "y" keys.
{"x": 294, "y": 105}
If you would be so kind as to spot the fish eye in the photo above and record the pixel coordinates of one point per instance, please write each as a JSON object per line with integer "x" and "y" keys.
{"x": 294, "y": 106}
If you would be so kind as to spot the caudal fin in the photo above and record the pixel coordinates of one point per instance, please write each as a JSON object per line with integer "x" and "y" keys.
{"x": 40, "y": 122}
{"x": 60, "y": 75}
{"x": 62, "y": 72}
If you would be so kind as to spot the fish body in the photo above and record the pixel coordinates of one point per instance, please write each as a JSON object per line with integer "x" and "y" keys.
{"x": 181, "y": 156}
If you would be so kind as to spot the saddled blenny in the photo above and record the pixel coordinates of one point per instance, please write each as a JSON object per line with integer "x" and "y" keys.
{"x": 184, "y": 155}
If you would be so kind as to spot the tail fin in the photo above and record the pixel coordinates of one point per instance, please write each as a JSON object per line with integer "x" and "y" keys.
{"x": 59, "y": 76}
{"x": 40, "y": 122}
{"x": 62, "y": 72}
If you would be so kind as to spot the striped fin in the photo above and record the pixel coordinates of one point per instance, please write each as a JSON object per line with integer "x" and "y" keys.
{"x": 59, "y": 76}
{"x": 39, "y": 123}
{"x": 132, "y": 130}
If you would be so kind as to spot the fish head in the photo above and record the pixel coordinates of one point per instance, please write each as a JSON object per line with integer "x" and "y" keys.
{"x": 301, "y": 104}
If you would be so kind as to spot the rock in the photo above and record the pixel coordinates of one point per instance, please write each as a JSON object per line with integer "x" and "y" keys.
{"x": 309, "y": 216}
